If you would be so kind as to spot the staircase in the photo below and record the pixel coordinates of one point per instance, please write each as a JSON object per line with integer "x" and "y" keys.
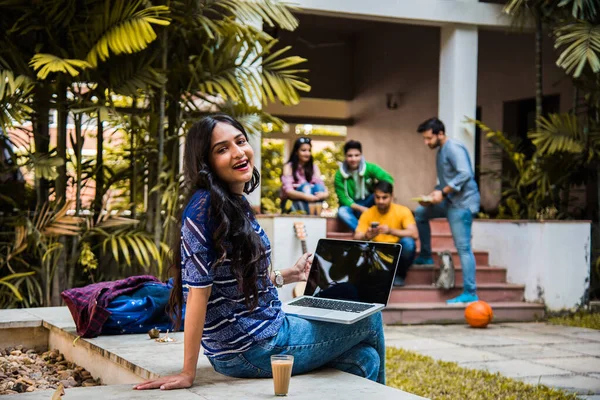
{"x": 420, "y": 303}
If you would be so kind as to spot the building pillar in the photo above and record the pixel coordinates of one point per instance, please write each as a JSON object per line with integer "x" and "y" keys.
{"x": 458, "y": 83}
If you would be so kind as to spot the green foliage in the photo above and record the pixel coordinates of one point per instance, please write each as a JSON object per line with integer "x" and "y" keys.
{"x": 31, "y": 255}
{"x": 14, "y": 92}
{"x": 575, "y": 30}
{"x": 328, "y": 161}
{"x": 539, "y": 187}
{"x": 47, "y": 63}
{"x": 581, "y": 41}
{"x": 271, "y": 170}
{"x": 178, "y": 61}
{"x": 529, "y": 189}
{"x": 440, "y": 380}
{"x": 581, "y": 319}
{"x": 30, "y": 258}
{"x": 124, "y": 28}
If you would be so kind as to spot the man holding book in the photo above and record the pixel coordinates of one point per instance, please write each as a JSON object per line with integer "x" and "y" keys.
{"x": 456, "y": 198}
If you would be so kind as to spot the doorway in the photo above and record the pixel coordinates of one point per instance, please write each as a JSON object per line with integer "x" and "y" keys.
{"x": 518, "y": 120}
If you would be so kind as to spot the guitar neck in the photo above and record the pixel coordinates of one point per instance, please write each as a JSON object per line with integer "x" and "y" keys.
{"x": 304, "y": 249}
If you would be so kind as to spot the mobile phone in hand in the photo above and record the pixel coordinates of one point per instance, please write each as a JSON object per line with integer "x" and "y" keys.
{"x": 374, "y": 225}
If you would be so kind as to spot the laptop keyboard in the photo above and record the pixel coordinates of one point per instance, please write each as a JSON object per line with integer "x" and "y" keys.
{"x": 328, "y": 304}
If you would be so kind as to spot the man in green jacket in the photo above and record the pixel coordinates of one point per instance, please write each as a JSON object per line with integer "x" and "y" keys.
{"x": 354, "y": 183}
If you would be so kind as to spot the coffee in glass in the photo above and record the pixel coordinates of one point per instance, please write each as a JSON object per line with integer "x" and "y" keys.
{"x": 281, "y": 365}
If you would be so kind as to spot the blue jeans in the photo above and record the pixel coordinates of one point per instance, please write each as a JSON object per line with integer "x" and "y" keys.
{"x": 407, "y": 256}
{"x": 308, "y": 188}
{"x": 350, "y": 216}
{"x": 460, "y": 220}
{"x": 357, "y": 348}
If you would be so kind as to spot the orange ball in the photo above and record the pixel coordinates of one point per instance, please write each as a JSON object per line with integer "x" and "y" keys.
{"x": 479, "y": 314}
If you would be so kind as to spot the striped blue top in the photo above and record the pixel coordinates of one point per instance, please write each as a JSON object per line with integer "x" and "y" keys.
{"x": 230, "y": 327}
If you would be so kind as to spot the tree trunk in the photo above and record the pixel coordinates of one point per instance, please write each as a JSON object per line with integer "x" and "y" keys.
{"x": 61, "y": 143}
{"x": 41, "y": 136}
{"x": 539, "y": 95}
{"x": 173, "y": 115}
{"x": 59, "y": 277}
{"x": 134, "y": 164}
{"x": 152, "y": 174}
{"x": 78, "y": 145}
{"x": 99, "y": 165}
{"x": 161, "y": 146}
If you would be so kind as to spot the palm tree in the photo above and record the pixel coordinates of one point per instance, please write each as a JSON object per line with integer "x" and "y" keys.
{"x": 522, "y": 12}
{"x": 79, "y": 56}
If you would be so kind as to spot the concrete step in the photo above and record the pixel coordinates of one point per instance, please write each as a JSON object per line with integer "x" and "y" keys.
{"x": 340, "y": 235}
{"x": 481, "y": 257}
{"x": 418, "y": 275}
{"x": 490, "y": 292}
{"x": 334, "y": 224}
{"x": 440, "y": 313}
{"x": 438, "y": 240}
{"x": 438, "y": 225}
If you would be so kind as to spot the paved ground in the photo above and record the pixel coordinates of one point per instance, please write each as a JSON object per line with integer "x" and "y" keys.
{"x": 564, "y": 357}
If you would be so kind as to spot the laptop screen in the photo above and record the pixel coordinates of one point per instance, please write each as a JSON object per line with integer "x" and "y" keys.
{"x": 353, "y": 270}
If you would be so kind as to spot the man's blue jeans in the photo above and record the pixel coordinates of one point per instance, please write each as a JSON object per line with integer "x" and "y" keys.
{"x": 357, "y": 348}
{"x": 350, "y": 216}
{"x": 407, "y": 256}
{"x": 460, "y": 220}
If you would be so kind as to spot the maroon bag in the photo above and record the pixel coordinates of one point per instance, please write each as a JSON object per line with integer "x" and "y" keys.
{"x": 88, "y": 304}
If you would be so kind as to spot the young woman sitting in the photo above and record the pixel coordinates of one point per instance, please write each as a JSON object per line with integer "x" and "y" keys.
{"x": 301, "y": 179}
{"x": 223, "y": 275}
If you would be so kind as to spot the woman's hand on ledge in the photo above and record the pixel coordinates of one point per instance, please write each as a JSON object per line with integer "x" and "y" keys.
{"x": 179, "y": 381}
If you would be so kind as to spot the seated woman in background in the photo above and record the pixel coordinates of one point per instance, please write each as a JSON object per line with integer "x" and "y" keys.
{"x": 301, "y": 180}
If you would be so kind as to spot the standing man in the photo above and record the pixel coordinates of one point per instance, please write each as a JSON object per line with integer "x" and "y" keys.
{"x": 390, "y": 223}
{"x": 354, "y": 182}
{"x": 456, "y": 198}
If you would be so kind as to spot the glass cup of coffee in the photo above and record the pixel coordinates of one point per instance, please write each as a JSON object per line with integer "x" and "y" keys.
{"x": 282, "y": 364}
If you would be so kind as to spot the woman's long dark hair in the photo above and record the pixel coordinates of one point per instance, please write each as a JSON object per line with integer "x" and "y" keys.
{"x": 308, "y": 167}
{"x": 227, "y": 216}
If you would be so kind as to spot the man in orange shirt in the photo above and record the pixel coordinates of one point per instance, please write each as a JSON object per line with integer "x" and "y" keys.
{"x": 391, "y": 223}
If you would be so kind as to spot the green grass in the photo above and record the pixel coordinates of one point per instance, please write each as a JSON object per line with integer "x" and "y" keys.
{"x": 424, "y": 376}
{"x": 582, "y": 319}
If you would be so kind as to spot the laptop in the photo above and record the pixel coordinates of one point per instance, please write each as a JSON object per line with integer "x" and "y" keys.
{"x": 348, "y": 281}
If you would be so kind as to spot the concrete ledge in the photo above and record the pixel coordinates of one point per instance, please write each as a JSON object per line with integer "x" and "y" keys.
{"x": 18, "y": 319}
{"x": 123, "y": 360}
